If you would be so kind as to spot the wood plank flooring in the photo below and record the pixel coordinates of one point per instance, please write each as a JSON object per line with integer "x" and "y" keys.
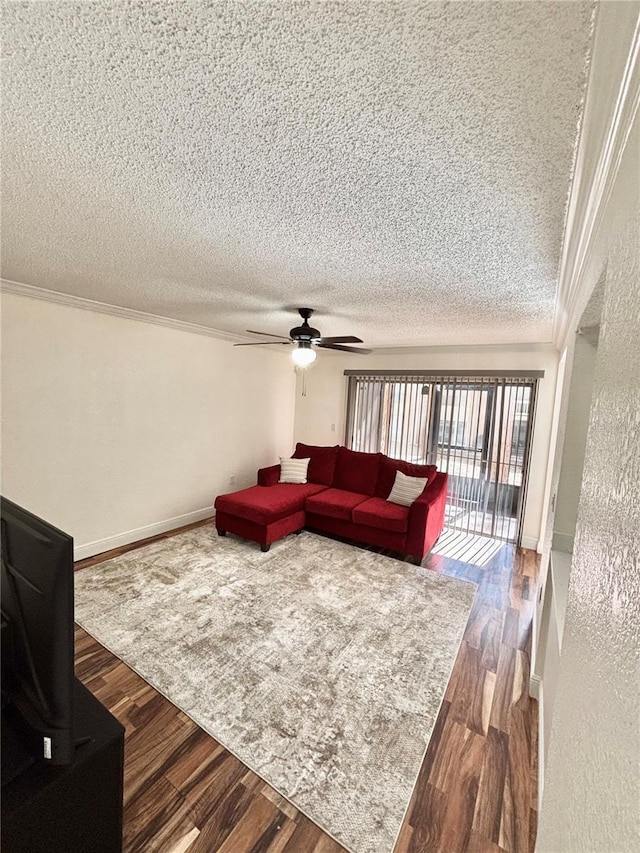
{"x": 476, "y": 791}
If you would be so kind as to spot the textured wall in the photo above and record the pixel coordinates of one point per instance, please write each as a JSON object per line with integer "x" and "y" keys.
{"x": 110, "y": 425}
{"x": 592, "y": 785}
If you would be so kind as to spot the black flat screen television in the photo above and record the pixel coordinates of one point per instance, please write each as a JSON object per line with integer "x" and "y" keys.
{"x": 37, "y": 637}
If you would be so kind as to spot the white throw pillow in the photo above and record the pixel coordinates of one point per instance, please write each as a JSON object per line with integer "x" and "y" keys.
{"x": 293, "y": 470}
{"x": 406, "y": 489}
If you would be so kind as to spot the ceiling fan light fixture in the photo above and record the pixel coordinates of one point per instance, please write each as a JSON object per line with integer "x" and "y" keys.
{"x": 303, "y": 355}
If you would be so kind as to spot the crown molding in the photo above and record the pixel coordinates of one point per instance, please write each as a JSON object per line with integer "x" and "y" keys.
{"x": 532, "y": 346}
{"x": 72, "y": 301}
{"x": 55, "y": 296}
{"x": 591, "y": 187}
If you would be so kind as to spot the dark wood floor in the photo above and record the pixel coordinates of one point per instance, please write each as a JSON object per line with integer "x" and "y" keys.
{"x": 476, "y": 791}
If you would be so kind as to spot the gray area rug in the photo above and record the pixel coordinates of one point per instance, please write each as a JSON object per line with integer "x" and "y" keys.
{"x": 319, "y": 665}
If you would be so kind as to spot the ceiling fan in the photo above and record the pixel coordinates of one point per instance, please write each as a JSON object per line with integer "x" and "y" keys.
{"x": 306, "y": 339}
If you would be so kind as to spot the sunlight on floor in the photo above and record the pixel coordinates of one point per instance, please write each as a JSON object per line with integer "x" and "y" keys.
{"x": 467, "y": 547}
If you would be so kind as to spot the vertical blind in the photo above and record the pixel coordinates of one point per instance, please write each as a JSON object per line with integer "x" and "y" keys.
{"x": 476, "y": 427}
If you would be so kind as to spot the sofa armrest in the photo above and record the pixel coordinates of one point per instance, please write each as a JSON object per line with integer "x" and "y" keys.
{"x": 426, "y": 517}
{"x": 269, "y": 476}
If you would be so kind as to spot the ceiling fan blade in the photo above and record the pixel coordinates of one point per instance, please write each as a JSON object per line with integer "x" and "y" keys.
{"x": 341, "y": 339}
{"x": 344, "y": 349}
{"x": 268, "y": 334}
{"x": 265, "y": 344}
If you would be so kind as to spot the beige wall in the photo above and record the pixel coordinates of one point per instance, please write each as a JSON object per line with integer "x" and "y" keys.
{"x": 320, "y": 416}
{"x": 113, "y": 429}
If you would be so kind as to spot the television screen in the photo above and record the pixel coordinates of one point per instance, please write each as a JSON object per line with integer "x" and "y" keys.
{"x": 37, "y": 633}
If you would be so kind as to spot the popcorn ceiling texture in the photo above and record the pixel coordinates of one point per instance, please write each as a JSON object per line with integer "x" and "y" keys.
{"x": 401, "y": 167}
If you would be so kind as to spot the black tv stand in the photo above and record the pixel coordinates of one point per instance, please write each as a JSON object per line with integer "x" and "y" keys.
{"x": 16, "y": 758}
{"x": 76, "y": 807}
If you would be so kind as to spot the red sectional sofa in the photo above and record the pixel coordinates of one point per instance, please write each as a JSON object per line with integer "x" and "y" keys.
{"x": 345, "y": 495}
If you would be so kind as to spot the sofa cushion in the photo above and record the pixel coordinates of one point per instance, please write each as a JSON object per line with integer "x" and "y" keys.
{"x": 387, "y": 476}
{"x": 376, "y": 512}
{"x": 356, "y": 472}
{"x": 266, "y": 504}
{"x": 406, "y": 490}
{"x": 293, "y": 470}
{"x": 335, "y": 503}
{"x": 322, "y": 464}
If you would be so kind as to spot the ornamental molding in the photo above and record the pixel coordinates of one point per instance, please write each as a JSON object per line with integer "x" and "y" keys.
{"x": 72, "y": 301}
{"x": 594, "y": 176}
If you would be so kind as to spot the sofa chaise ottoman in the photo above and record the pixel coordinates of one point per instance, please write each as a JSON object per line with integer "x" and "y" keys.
{"x": 346, "y": 495}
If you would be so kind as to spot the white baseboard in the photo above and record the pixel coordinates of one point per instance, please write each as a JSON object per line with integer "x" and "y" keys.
{"x": 535, "y": 685}
{"x": 90, "y": 549}
{"x": 541, "y": 744}
{"x": 536, "y": 691}
{"x": 528, "y": 542}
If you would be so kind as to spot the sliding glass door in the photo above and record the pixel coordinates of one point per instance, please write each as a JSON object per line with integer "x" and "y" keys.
{"x": 477, "y": 428}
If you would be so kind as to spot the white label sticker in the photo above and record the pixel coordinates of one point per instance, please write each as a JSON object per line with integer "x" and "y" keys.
{"x": 47, "y": 747}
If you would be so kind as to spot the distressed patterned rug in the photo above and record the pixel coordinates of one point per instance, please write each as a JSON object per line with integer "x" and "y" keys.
{"x": 320, "y": 666}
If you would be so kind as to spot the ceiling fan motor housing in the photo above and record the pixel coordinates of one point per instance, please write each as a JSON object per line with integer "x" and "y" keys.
{"x": 304, "y": 332}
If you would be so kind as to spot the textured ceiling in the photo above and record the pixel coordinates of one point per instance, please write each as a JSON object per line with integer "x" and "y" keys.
{"x": 402, "y": 167}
